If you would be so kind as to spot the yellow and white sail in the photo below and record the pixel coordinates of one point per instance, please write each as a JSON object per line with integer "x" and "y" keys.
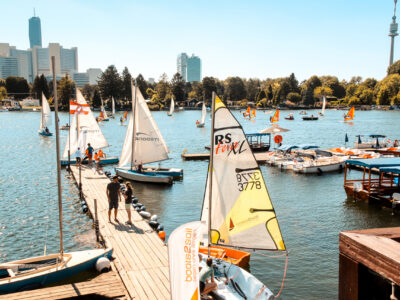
{"x": 242, "y": 214}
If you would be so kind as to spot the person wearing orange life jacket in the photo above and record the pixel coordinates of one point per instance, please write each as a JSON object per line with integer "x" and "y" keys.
{"x": 101, "y": 154}
{"x": 97, "y": 160}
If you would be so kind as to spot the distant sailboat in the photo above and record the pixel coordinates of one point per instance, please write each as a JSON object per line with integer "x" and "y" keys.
{"x": 83, "y": 120}
{"x": 144, "y": 144}
{"x": 247, "y": 113}
{"x": 322, "y": 113}
{"x": 45, "y": 119}
{"x": 112, "y": 108}
{"x": 203, "y": 116}
{"x": 171, "y": 107}
{"x": 350, "y": 115}
{"x": 253, "y": 113}
{"x": 275, "y": 117}
{"x": 103, "y": 114}
{"x": 124, "y": 118}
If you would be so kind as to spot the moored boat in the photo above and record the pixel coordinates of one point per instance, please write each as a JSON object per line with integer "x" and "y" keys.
{"x": 45, "y": 118}
{"x": 370, "y": 141}
{"x": 290, "y": 117}
{"x": 310, "y": 118}
{"x": 233, "y": 256}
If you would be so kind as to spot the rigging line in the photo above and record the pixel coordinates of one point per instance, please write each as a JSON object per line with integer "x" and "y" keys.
{"x": 284, "y": 276}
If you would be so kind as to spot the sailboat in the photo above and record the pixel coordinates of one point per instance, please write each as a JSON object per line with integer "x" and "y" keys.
{"x": 322, "y": 113}
{"x": 45, "y": 119}
{"x": 237, "y": 210}
{"x": 124, "y": 118}
{"x": 350, "y": 115}
{"x": 253, "y": 113}
{"x": 171, "y": 107}
{"x": 247, "y": 113}
{"x": 275, "y": 117}
{"x": 144, "y": 144}
{"x": 103, "y": 114}
{"x": 39, "y": 271}
{"x": 203, "y": 116}
{"x": 112, "y": 108}
{"x": 83, "y": 120}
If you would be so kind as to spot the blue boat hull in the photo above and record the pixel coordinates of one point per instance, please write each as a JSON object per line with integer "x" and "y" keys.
{"x": 49, "y": 278}
{"x": 105, "y": 161}
{"x": 175, "y": 173}
{"x": 45, "y": 133}
{"x": 144, "y": 176}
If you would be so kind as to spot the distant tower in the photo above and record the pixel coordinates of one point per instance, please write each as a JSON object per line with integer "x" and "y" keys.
{"x": 35, "y": 31}
{"x": 393, "y": 33}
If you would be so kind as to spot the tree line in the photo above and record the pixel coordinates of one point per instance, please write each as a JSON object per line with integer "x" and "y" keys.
{"x": 270, "y": 92}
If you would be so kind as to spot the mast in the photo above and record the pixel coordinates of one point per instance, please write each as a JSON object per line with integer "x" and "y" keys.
{"x": 211, "y": 170}
{"x": 58, "y": 159}
{"x": 134, "y": 122}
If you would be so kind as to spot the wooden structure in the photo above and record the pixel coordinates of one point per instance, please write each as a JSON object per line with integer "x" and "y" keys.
{"x": 141, "y": 258}
{"x": 260, "y": 157}
{"x": 107, "y": 285}
{"x": 372, "y": 188}
{"x": 369, "y": 264}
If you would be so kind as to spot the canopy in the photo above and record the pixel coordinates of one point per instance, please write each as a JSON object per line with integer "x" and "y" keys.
{"x": 373, "y": 136}
{"x": 374, "y": 162}
{"x": 257, "y": 134}
{"x": 274, "y": 129}
{"x": 395, "y": 170}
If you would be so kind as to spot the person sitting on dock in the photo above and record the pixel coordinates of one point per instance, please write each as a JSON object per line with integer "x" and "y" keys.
{"x": 206, "y": 276}
{"x": 78, "y": 156}
{"x": 113, "y": 195}
{"x": 89, "y": 153}
{"x": 128, "y": 201}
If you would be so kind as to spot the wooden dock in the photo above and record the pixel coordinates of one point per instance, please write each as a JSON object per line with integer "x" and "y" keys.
{"x": 260, "y": 157}
{"x": 107, "y": 285}
{"x": 141, "y": 258}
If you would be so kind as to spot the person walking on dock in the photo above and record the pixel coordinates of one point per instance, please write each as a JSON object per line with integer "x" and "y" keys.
{"x": 113, "y": 195}
{"x": 78, "y": 156}
{"x": 128, "y": 201}
{"x": 90, "y": 153}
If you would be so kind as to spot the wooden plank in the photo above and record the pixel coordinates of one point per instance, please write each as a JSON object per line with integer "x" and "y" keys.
{"x": 348, "y": 278}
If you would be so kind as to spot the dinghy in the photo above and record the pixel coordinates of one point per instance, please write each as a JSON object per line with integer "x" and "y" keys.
{"x": 203, "y": 116}
{"x": 45, "y": 119}
{"x": 84, "y": 123}
{"x": 350, "y": 115}
{"x": 112, "y": 108}
{"x": 171, "y": 107}
{"x": 124, "y": 118}
{"x": 237, "y": 213}
{"x": 275, "y": 117}
{"x": 39, "y": 271}
{"x": 322, "y": 113}
{"x": 144, "y": 144}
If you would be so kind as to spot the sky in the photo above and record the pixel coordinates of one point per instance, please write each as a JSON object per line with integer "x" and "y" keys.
{"x": 248, "y": 38}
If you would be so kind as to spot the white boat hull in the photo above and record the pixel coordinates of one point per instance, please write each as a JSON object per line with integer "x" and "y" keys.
{"x": 319, "y": 168}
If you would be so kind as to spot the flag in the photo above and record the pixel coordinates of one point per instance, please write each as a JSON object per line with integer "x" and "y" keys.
{"x": 346, "y": 138}
{"x": 79, "y": 108}
{"x": 183, "y": 254}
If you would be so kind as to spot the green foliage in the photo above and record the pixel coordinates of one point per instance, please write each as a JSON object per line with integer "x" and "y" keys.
{"x": 178, "y": 87}
{"x": 209, "y": 85}
{"x": 253, "y": 86}
{"x": 126, "y": 84}
{"x": 88, "y": 91}
{"x": 332, "y": 82}
{"x": 387, "y": 89}
{"x": 96, "y": 100}
{"x": 262, "y": 103}
{"x": 198, "y": 91}
{"x": 3, "y": 92}
{"x": 394, "y": 68}
{"x": 162, "y": 87}
{"x": 17, "y": 87}
{"x": 261, "y": 95}
{"x": 370, "y": 83}
{"x": 142, "y": 84}
{"x": 110, "y": 83}
{"x": 243, "y": 103}
{"x": 235, "y": 89}
{"x": 65, "y": 91}
{"x": 2, "y": 82}
{"x": 40, "y": 86}
{"x": 294, "y": 97}
{"x": 321, "y": 91}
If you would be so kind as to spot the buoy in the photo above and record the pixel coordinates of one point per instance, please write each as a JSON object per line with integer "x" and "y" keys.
{"x": 154, "y": 218}
{"x": 161, "y": 235}
{"x": 83, "y": 202}
{"x": 145, "y": 214}
{"x": 137, "y": 208}
{"x": 160, "y": 228}
{"x": 107, "y": 173}
{"x": 120, "y": 180}
{"x": 139, "y": 204}
{"x": 85, "y": 209}
{"x": 143, "y": 207}
{"x": 135, "y": 200}
{"x": 103, "y": 265}
{"x": 153, "y": 224}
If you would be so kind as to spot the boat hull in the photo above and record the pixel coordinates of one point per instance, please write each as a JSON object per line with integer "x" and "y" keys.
{"x": 174, "y": 173}
{"x": 80, "y": 261}
{"x": 319, "y": 169}
{"x": 103, "y": 161}
{"x": 200, "y": 125}
{"x": 234, "y": 256}
{"x": 143, "y": 177}
{"x": 45, "y": 133}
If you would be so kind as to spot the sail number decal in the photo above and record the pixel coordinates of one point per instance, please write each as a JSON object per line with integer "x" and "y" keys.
{"x": 248, "y": 181}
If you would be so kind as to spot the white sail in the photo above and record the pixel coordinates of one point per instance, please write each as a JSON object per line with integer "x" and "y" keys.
{"x": 242, "y": 214}
{"x": 104, "y": 113}
{"x": 112, "y": 106}
{"x": 323, "y": 105}
{"x": 171, "y": 107}
{"x": 149, "y": 143}
{"x": 87, "y": 122}
{"x": 183, "y": 251}
{"x": 45, "y": 120}
{"x": 203, "y": 114}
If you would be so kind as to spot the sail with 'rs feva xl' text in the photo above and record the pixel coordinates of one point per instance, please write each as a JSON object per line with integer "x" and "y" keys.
{"x": 242, "y": 214}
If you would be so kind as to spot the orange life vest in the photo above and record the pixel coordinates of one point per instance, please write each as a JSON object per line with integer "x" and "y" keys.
{"x": 96, "y": 157}
{"x": 101, "y": 154}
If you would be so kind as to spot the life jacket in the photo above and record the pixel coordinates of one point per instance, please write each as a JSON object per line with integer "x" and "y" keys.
{"x": 100, "y": 153}
{"x": 87, "y": 152}
{"x": 96, "y": 157}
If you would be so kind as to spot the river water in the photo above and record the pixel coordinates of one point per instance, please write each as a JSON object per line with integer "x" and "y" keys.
{"x": 311, "y": 210}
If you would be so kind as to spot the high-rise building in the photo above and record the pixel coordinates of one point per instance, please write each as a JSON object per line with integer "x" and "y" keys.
{"x": 80, "y": 79}
{"x": 193, "y": 69}
{"x": 181, "y": 64}
{"x": 8, "y": 67}
{"x": 189, "y": 67}
{"x": 94, "y": 75}
{"x": 35, "y": 32}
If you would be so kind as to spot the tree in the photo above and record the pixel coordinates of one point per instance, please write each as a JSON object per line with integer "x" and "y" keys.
{"x": 394, "y": 68}
{"x": 142, "y": 84}
{"x": 65, "y": 91}
{"x": 88, "y": 91}
{"x": 3, "y": 92}
{"x": 270, "y": 93}
{"x": 387, "y": 89}
{"x": 17, "y": 86}
{"x": 322, "y": 91}
{"x": 209, "y": 85}
{"x": 332, "y": 82}
{"x": 235, "y": 89}
{"x": 293, "y": 84}
{"x": 294, "y": 97}
{"x": 253, "y": 86}
{"x": 162, "y": 87}
{"x": 198, "y": 90}
{"x": 96, "y": 98}
{"x": 110, "y": 83}
{"x": 261, "y": 95}
{"x": 355, "y": 80}
{"x": 126, "y": 84}
{"x": 178, "y": 87}
{"x": 40, "y": 86}
{"x": 308, "y": 91}
{"x": 370, "y": 83}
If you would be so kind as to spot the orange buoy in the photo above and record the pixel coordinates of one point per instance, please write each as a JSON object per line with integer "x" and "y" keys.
{"x": 161, "y": 235}
{"x": 278, "y": 139}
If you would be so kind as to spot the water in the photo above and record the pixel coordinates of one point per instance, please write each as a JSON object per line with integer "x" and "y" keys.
{"x": 312, "y": 210}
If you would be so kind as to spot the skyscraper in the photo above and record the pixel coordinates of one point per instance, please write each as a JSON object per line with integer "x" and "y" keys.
{"x": 189, "y": 67}
{"x": 35, "y": 32}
